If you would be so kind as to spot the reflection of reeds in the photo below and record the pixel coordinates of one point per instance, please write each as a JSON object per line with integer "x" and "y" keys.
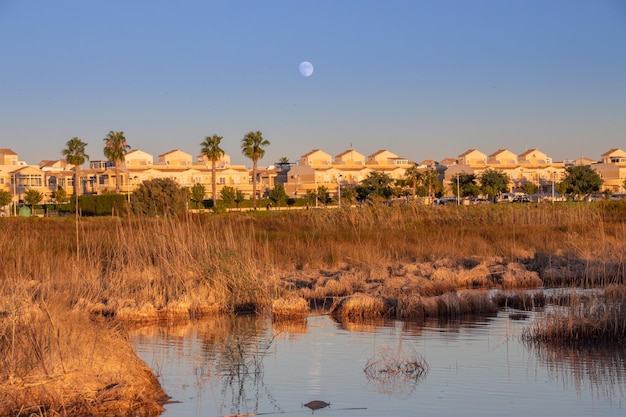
{"x": 396, "y": 371}
{"x": 599, "y": 369}
{"x": 592, "y": 320}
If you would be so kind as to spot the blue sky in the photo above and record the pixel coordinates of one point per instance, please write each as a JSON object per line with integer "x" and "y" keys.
{"x": 424, "y": 79}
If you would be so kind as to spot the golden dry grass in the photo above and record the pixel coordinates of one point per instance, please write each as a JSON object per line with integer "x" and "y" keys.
{"x": 289, "y": 308}
{"x": 59, "y": 362}
{"x": 359, "y": 307}
{"x": 592, "y": 320}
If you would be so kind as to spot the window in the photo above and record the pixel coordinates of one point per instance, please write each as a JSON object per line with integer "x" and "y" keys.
{"x": 222, "y": 181}
{"x": 30, "y": 180}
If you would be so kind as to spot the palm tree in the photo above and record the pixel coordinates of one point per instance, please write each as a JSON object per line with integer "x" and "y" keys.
{"x": 252, "y": 147}
{"x": 75, "y": 154}
{"x": 211, "y": 149}
{"x": 115, "y": 149}
{"x": 414, "y": 176}
{"x": 430, "y": 179}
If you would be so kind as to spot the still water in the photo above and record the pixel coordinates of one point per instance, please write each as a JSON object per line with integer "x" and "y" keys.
{"x": 479, "y": 367}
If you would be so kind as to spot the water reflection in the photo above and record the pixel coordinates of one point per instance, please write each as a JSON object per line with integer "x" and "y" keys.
{"x": 247, "y": 365}
{"x": 599, "y": 371}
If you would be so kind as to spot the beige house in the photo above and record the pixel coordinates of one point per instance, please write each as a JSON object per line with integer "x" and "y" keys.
{"x": 448, "y": 161}
{"x": 316, "y": 158}
{"x": 8, "y": 157}
{"x": 29, "y": 177}
{"x": 175, "y": 158}
{"x": 502, "y": 157}
{"x": 613, "y": 176}
{"x": 472, "y": 157}
{"x": 614, "y": 156}
{"x": 386, "y": 158}
{"x": 138, "y": 158}
{"x": 534, "y": 157}
{"x": 350, "y": 157}
{"x": 223, "y": 162}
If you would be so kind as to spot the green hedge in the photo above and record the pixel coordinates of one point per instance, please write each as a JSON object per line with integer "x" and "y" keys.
{"x": 101, "y": 205}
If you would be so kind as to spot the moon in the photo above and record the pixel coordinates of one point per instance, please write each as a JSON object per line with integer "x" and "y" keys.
{"x": 306, "y": 68}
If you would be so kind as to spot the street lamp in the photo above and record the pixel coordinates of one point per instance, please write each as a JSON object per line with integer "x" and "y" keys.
{"x": 458, "y": 189}
{"x": 339, "y": 188}
{"x": 553, "y": 179}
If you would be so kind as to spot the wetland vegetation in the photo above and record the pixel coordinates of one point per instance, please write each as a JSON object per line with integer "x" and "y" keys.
{"x": 69, "y": 287}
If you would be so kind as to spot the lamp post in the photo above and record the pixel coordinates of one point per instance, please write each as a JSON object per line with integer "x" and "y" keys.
{"x": 553, "y": 179}
{"x": 339, "y": 188}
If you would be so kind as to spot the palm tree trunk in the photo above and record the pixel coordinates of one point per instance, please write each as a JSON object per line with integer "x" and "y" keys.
{"x": 214, "y": 182}
{"x": 76, "y": 190}
{"x": 117, "y": 178}
{"x": 254, "y": 183}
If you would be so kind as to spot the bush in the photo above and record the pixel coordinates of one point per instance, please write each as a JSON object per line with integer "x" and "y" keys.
{"x": 160, "y": 196}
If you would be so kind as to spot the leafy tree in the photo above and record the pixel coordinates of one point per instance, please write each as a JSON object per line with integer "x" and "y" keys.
{"x": 493, "y": 182}
{"x": 60, "y": 195}
{"x": 239, "y": 197}
{"x": 311, "y": 197}
{"x": 530, "y": 188}
{"x": 283, "y": 160}
{"x": 211, "y": 149}
{"x": 33, "y": 197}
{"x": 5, "y": 198}
{"x": 348, "y": 195}
{"x": 227, "y": 195}
{"x": 115, "y": 150}
{"x": 160, "y": 196}
{"x": 414, "y": 176}
{"x": 75, "y": 154}
{"x": 465, "y": 184}
{"x": 197, "y": 194}
{"x": 375, "y": 186}
{"x": 323, "y": 196}
{"x": 252, "y": 146}
{"x": 580, "y": 181}
{"x": 278, "y": 195}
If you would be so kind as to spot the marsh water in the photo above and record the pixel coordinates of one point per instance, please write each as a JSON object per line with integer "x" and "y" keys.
{"x": 477, "y": 367}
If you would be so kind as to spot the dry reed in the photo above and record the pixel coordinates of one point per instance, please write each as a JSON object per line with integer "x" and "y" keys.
{"x": 359, "y": 306}
{"x": 594, "y": 320}
{"x": 397, "y": 370}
